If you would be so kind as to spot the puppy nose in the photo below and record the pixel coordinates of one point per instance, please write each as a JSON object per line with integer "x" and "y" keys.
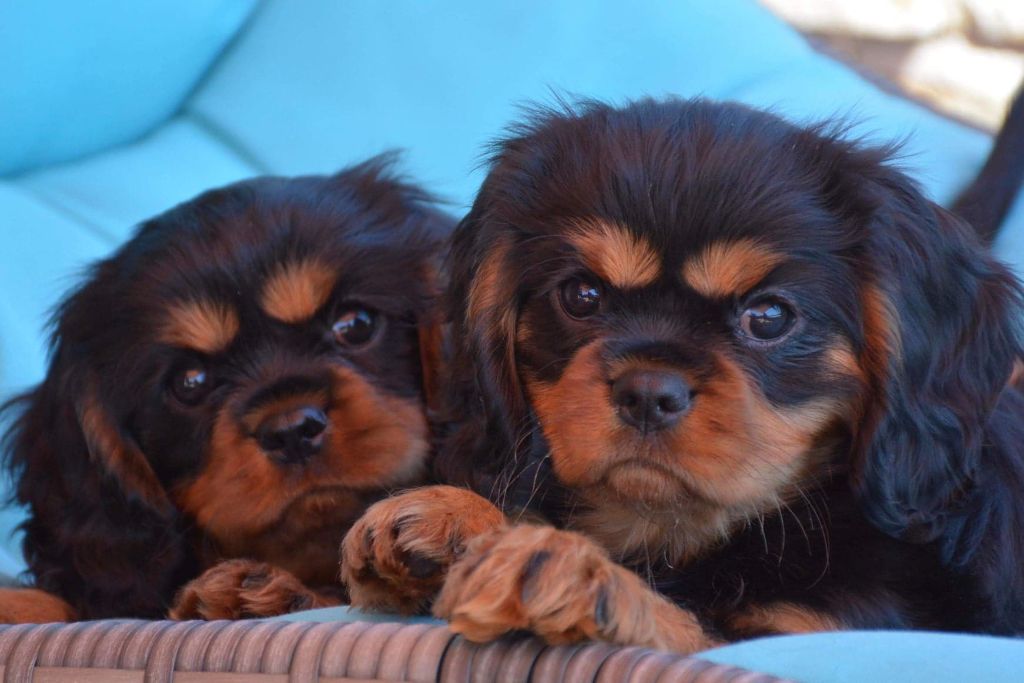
{"x": 650, "y": 399}
{"x": 293, "y": 436}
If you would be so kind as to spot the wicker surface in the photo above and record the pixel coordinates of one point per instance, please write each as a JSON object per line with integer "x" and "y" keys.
{"x": 225, "y": 652}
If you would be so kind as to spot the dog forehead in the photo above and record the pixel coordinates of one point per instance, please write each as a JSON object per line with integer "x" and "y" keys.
{"x": 678, "y": 175}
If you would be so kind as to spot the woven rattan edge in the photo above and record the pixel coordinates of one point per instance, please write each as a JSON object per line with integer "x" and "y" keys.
{"x": 272, "y": 652}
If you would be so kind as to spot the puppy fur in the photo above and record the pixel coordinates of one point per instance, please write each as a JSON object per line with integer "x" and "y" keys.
{"x": 239, "y": 380}
{"x": 837, "y": 440}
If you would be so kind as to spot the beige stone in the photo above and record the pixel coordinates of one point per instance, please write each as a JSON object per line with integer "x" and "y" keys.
{"x": 885, "y": 19}
{"x": 972, "y": 82}
{"x": 996, "y": 22}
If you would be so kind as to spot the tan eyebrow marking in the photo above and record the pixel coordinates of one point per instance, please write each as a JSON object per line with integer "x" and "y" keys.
{"x": 728, "y": 268}
{"x": 203, "y": 325}
{"x": 297, "y": 290}
{"x": 618, "y": 256}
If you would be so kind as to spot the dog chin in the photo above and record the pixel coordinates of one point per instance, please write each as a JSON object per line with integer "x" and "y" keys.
{"x": 646, "y": 482}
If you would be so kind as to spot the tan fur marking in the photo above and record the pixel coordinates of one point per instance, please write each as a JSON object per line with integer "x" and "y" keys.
{"x": 783, "y": 617}
{"x": 488, "y": 293}
{"x": 109, "y": 448}
{"x": 490, "y": 309}
{"x": 1017, "y": 374}
{"x": 729, "y": 268}
{"x": 205, "y": 326}
{"x": 615, "y": 254}
{"x": 33, "y": 606}
{"x": 841, "y": 359}
{"x": 881, "y": 334}
{"x": 297, "y": 290}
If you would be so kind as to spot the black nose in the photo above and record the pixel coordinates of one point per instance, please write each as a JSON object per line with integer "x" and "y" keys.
{"x": 651, "y": 399}
{"x": 293, "y": 436}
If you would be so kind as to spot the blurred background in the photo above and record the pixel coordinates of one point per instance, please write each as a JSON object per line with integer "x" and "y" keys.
{"x": 963, "y": 57}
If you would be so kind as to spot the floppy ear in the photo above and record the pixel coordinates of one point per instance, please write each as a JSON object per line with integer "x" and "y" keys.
{"x": 433, "y": 335}
{"x": 102, "y": 532}
{"x": 486, "y": 401}
{"x": 117, "y": 454}
{"x": 941, "y": 338}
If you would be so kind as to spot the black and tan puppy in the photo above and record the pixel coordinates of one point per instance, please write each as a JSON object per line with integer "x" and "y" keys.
{"x": 745, "y": 359}
{"x": 236, "y": 383}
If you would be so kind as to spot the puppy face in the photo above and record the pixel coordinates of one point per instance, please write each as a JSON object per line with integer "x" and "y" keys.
{"x": 697, "y": 306}
{"x": 255, "y": 360}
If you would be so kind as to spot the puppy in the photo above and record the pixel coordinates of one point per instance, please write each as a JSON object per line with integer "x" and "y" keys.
{"x": 228, "y": 392}
{"x": 756, "y": 380}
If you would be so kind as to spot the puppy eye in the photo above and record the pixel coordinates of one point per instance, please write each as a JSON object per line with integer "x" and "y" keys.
{"x": 191, "y": 383}
{"x": 580, "y": 298}
{"x": 767, "y": 320}
{"x": 355, "y": 327}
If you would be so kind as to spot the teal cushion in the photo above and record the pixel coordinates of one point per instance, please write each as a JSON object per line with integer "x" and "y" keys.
{"x": 62, "y": 218}
{"x": 43, "y": 251}
{"x": 77, "y": 77}
{"x": 879, "y": 656}
{"x": 118, "y": 189}
{"x": 1009, "y": 244}
{"x": 310, "y": 86}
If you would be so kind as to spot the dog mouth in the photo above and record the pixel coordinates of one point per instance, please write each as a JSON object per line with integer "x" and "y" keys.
{"x": 324, "y": 505}
{"x": 639, "y": 478}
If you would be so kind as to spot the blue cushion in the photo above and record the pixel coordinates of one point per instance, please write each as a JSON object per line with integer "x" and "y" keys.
{"x": 346, "y": 613}
{"x": 65, "y": 217}
{"x": 312, "y": 85}
{"x": 117, "y": 189}
{"x": 877, "y": 656}
{"x": 77, "y": 77}
{"x": 1009, "y": 244}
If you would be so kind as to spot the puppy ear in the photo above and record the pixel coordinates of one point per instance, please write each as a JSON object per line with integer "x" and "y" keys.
{"x": 433, "y": 335}
{"x": 117, "y": 453}
{"x": 941, "y": 340}
{"x": 101, "y": 533}
{"x": 486, "y": 403}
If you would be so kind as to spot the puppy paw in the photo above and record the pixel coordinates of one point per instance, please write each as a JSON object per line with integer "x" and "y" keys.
{"x": 243, "y": 589}
{"x": 395, "y": 557}
{"x": 562, "y": 587}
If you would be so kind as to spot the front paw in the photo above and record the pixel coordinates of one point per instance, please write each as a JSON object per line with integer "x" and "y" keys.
{"x": 395, "y": 557}
{"x": 562, "y": 587}
{"x": 243, "y": 589}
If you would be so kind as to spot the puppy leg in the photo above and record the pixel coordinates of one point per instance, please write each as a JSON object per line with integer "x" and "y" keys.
{"x": 244, "y": 589}
{"x": 563, "y": 587}
{"x": 33, "y": 606}
{"x": 396, "y": 555}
